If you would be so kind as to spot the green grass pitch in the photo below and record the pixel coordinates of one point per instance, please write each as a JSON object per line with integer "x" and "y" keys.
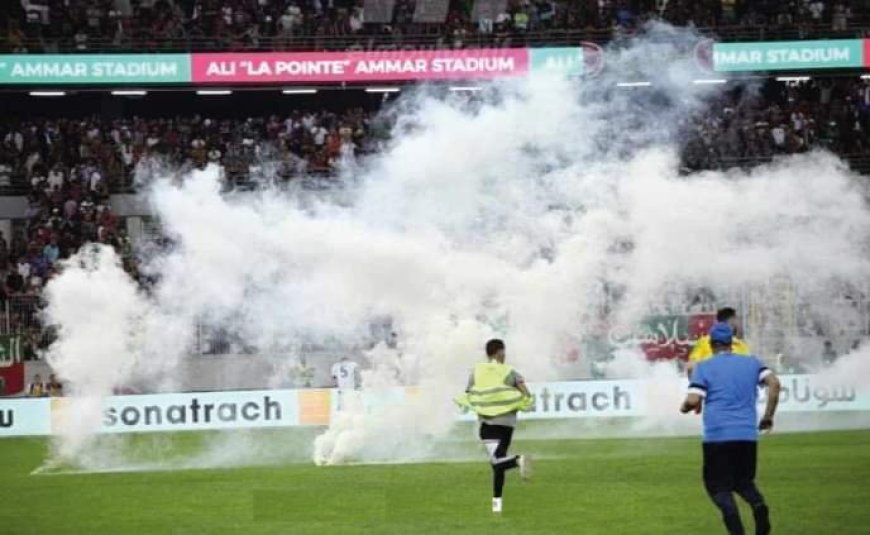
{"x": 815, "y": 483}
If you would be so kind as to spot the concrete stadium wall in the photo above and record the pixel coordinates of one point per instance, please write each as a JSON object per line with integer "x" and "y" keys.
{"x": 13, "y": 207}
{"x": 127, "y": 205}
{"x": 230, "y": 372}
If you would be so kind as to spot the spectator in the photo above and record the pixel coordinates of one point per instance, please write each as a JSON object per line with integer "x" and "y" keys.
{"x": 14, "y": 282}
{"x": 51, "y": 252}
{"x": 357, "y": 20}
{"x": 5, "y": 173}
{"x": 303, "y": 375}
{"x": 779, "y": 137}
{"x": 840, "y": 17}
{"x": 817, "y": 9}
{"x": 37, "y": 387}
{"x": 56, "y": 176}
{"x": 318, "y": 134}
{"x": 521, "y": 20}
{"x": 23, "y": 268}
{"x": 81, "y": 39}
{"x": 54, "y": 387}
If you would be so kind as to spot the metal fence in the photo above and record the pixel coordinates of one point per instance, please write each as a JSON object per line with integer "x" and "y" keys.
{"x": 319, "y": 179}
{"x": 430, "y": 37}
{"x": 19, "y": 314}
{"x": 859, "y": 163}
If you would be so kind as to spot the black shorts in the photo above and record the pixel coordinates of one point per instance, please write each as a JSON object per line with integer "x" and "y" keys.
{"x": 729, "y": 466}
{"x": 501, "y": 433}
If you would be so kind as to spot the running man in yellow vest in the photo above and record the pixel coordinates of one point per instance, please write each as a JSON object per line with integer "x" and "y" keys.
{"x": 496, "y": 392}
{"x": 703, "y": 350}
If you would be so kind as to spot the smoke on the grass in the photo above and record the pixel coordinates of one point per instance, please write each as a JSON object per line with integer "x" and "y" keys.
{"x": 99, "y": 313}
{"x": 510, "y": 215}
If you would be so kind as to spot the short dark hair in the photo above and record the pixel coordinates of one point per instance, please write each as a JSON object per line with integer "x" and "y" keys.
{"x": 494, "y": 346}
{"x": 725, "y": 314}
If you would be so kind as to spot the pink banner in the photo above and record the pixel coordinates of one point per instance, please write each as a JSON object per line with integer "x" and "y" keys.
{"x": 358, "y": 66}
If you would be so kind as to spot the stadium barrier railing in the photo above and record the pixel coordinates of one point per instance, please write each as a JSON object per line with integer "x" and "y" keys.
{"x": 20, "y": 314}
{"x": 319, "y": 178}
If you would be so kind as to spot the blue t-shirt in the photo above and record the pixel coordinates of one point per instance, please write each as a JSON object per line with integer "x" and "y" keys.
{"x": 729, "y": 385}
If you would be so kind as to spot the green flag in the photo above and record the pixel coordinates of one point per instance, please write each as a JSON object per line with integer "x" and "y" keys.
{"x": 10, "y": 349}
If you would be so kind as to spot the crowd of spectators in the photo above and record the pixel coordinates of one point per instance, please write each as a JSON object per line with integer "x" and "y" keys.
{"x": 64, "y": 161}
{"x": 832, "y": 114}
{"x": 69, "y": 167}
{"x": 64, "y": 25}
{"x": 99, "y": 155}
{"x": 66, "y": 208}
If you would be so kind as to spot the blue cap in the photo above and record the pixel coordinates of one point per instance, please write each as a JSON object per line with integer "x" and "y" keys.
{"x": 721, "y": 333}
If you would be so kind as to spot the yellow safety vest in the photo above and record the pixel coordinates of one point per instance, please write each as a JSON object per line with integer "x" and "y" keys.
{"x": 703, "y": 350}
{"x": 490, "y": 394}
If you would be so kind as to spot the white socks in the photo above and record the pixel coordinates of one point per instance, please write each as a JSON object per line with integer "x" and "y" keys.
{"x": 496, "y": 505}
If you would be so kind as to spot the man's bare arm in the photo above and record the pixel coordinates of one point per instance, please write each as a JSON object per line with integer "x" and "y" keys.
{"x": 773, "y": 388}
{"x": 521, "y": 386}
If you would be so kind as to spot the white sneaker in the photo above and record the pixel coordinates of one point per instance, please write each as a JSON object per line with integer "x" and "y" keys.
{"x": 496, "y": 505}
{"x": 525, "y": 464}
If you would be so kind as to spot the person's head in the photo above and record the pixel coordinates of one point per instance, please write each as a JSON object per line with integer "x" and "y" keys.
{"x": 721, "y": 337}
{"x": 495, "y": 350}
{"x": 727, "y": 315}
{"x": 37, "y": 378}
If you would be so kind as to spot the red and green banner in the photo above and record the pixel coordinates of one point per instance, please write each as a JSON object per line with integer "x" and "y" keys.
{"x": 660, "y": 337}
{"x": 11, "y": 379}
{"x": 11, "y": 367}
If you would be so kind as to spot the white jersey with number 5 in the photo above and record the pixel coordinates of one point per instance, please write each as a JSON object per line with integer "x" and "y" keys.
{"x": 344, "y": 373}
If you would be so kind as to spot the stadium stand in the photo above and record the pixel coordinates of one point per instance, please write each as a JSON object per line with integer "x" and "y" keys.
{"x": 832, "y": 114}
{"x": 69, "y": 159}
{"x": 68, "y": 167}
{"x": 36, "y": 26}
{"x": 101, "y": 154}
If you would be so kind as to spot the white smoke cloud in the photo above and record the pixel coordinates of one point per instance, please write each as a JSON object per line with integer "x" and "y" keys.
{"x": 99, "y": 314}
{"x": 502, "y": 218}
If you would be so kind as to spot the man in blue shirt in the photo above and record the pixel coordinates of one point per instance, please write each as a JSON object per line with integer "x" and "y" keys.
{"x": 728, "y": 385}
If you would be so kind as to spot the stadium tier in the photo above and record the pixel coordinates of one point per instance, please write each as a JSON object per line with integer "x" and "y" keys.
{"x": 69, "y": 162}
{"x": 37, "y": 26}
